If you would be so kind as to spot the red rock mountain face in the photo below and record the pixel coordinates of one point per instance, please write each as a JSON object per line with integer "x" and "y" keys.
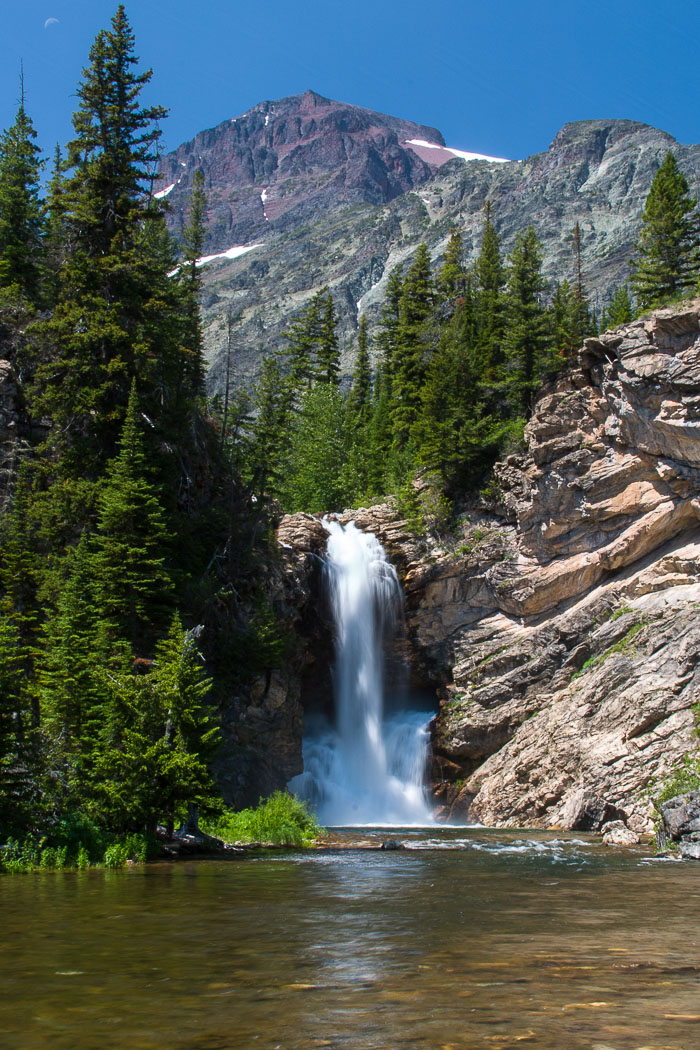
{"x": 284, "y": 160}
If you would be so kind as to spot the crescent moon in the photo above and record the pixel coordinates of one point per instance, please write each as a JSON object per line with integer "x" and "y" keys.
{"x": 50, "y": 22}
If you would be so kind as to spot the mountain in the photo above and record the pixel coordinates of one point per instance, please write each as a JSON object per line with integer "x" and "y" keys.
{"x": 305, "y": 192}
{"x": 283, "y": 162}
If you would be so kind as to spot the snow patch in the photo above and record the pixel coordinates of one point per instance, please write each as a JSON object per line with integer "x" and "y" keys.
{"x": 183, "y": 164}
{"x": 462, "y": 154}
{"x": 231, "y": 253}
{"x": 263, "y": 198}
{"x": 164, "y": 193}
{"x": 425, "y": 201}
{"x": 267, "y": 119}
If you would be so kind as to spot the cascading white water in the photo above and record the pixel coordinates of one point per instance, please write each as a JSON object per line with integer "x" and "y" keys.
{"x": 369, "y": 769}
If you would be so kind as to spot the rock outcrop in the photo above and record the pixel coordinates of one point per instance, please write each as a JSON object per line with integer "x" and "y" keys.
{"x": 562, "y": 633}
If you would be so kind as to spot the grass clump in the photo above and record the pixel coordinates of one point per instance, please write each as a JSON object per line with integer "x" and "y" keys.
{"x": 685, "y": 779}
{"x": 281, "y": 820}
{"x": 623, "y": 646}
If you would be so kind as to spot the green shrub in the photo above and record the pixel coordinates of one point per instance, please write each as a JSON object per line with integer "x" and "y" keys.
{"x": 116, "y": 855}
{"x": 282, "y": 819}
{"x": 683, "y": 780}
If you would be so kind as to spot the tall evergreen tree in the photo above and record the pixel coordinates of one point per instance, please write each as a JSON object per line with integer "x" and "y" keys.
{"x": 118, "y": 315}
{"x": 327, "y": 353}
{"x": 667, "y": 259}
{"x": 412, "y": 346}
{"x": 21, "y": 210}
{"x": 194, "y": 232}
{"x": 360, "y": 396}
{"x": 490, "y": 278}
{"x": 450, "y": 279}
{"x": 134, "y": 592}
{"x": 525, "y": 337}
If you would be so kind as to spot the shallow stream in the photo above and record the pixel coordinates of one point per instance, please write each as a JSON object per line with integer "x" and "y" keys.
{"x": 470, "y": 939}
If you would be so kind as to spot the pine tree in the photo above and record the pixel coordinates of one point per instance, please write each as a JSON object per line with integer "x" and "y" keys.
{"x": 327, "y": 353}
{"x": 490, "y": 278}
{"x": 525, "y": 337}
{"x": 268, "y": 445}
{"x": 193, "y": 235}
{"x": 360, "y": 396}
{"x": 619, "y": 311}
{"x": 412, "y": 346}
{"x": 385, "y": 340}
{"x": 668, "y": 258}
{"x": 134, "y": 592}
{"x": 21, "y": 210}
{"x": 17, "y": 783}
{"x": 450, "y": 279}
{"x": 157, "y": 738}
{"x": 302, "y": 344}
{"x": 118, "y": 314}
{"x": 316, "y": 476}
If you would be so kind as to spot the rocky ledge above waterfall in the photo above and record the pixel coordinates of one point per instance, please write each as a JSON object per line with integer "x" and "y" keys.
{"x": 562, "y": 631}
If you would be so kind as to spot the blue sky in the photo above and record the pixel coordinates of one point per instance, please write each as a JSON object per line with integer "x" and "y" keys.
{"x": 498, "y": 78}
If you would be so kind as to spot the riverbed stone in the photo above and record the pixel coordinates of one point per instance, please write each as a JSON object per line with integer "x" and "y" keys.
{"x": 616, "y": 833}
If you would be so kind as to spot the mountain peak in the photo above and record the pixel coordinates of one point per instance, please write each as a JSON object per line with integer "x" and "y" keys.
{"x": 287, "y": 158}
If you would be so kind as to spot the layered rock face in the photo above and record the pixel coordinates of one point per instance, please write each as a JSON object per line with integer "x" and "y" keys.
{"x": 563, "y": 632}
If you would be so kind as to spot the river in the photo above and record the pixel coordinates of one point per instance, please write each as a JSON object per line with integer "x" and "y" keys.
{"x": 469, "y": 939}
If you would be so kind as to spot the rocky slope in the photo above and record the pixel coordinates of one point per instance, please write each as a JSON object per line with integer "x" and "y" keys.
{"x": 325, "y": 193}
{"x": 562, "y": 632}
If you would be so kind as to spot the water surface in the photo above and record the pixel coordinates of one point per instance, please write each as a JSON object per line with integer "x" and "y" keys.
{"x": 470, "y": 939}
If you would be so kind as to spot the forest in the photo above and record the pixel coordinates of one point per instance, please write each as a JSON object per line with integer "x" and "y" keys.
{"x": 138, "y": 513}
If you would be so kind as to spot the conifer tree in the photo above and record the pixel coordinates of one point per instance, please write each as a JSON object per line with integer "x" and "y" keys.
{"x": 490, "y": 279}
{"x": 620, "y": 310}
{"x": 134, "y": 592}
{"x": 21, "y": 211}
{"x": 667, "y": 254}
{"x": 450, "y": 279}
{"x": 18, "y": 786}
{"x": 118, "y": 315}
{"x": 385, "y": 340}
{"x": 268, "y": 445}
{"x": 302, "y": 344}
{"x": 360, "y": 396}
{"x": 327, "y": 353}
{"x": 157, "y": 737}
{"x": 525, "y": 337}
{"x": 193, "y": 236}
{"x": 412, "y": 346}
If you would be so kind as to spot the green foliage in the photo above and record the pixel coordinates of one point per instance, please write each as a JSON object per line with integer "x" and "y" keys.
{"x": 21, "y": 211}
{"x": 619, "y": 311}
{"x": 282, "y": 819}
{"x": 316, "y": 477}
{"x": 685, "y": 779}
{"x": 667, "y": 260}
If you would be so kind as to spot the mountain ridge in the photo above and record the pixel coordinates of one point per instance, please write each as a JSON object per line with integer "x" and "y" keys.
{"x": 322, "y": 193}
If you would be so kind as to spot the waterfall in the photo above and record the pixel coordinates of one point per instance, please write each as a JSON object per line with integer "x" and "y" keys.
{"x": 369, "y": 767}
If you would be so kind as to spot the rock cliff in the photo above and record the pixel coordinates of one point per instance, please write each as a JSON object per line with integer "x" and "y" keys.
{"x": 562, "y": 632}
